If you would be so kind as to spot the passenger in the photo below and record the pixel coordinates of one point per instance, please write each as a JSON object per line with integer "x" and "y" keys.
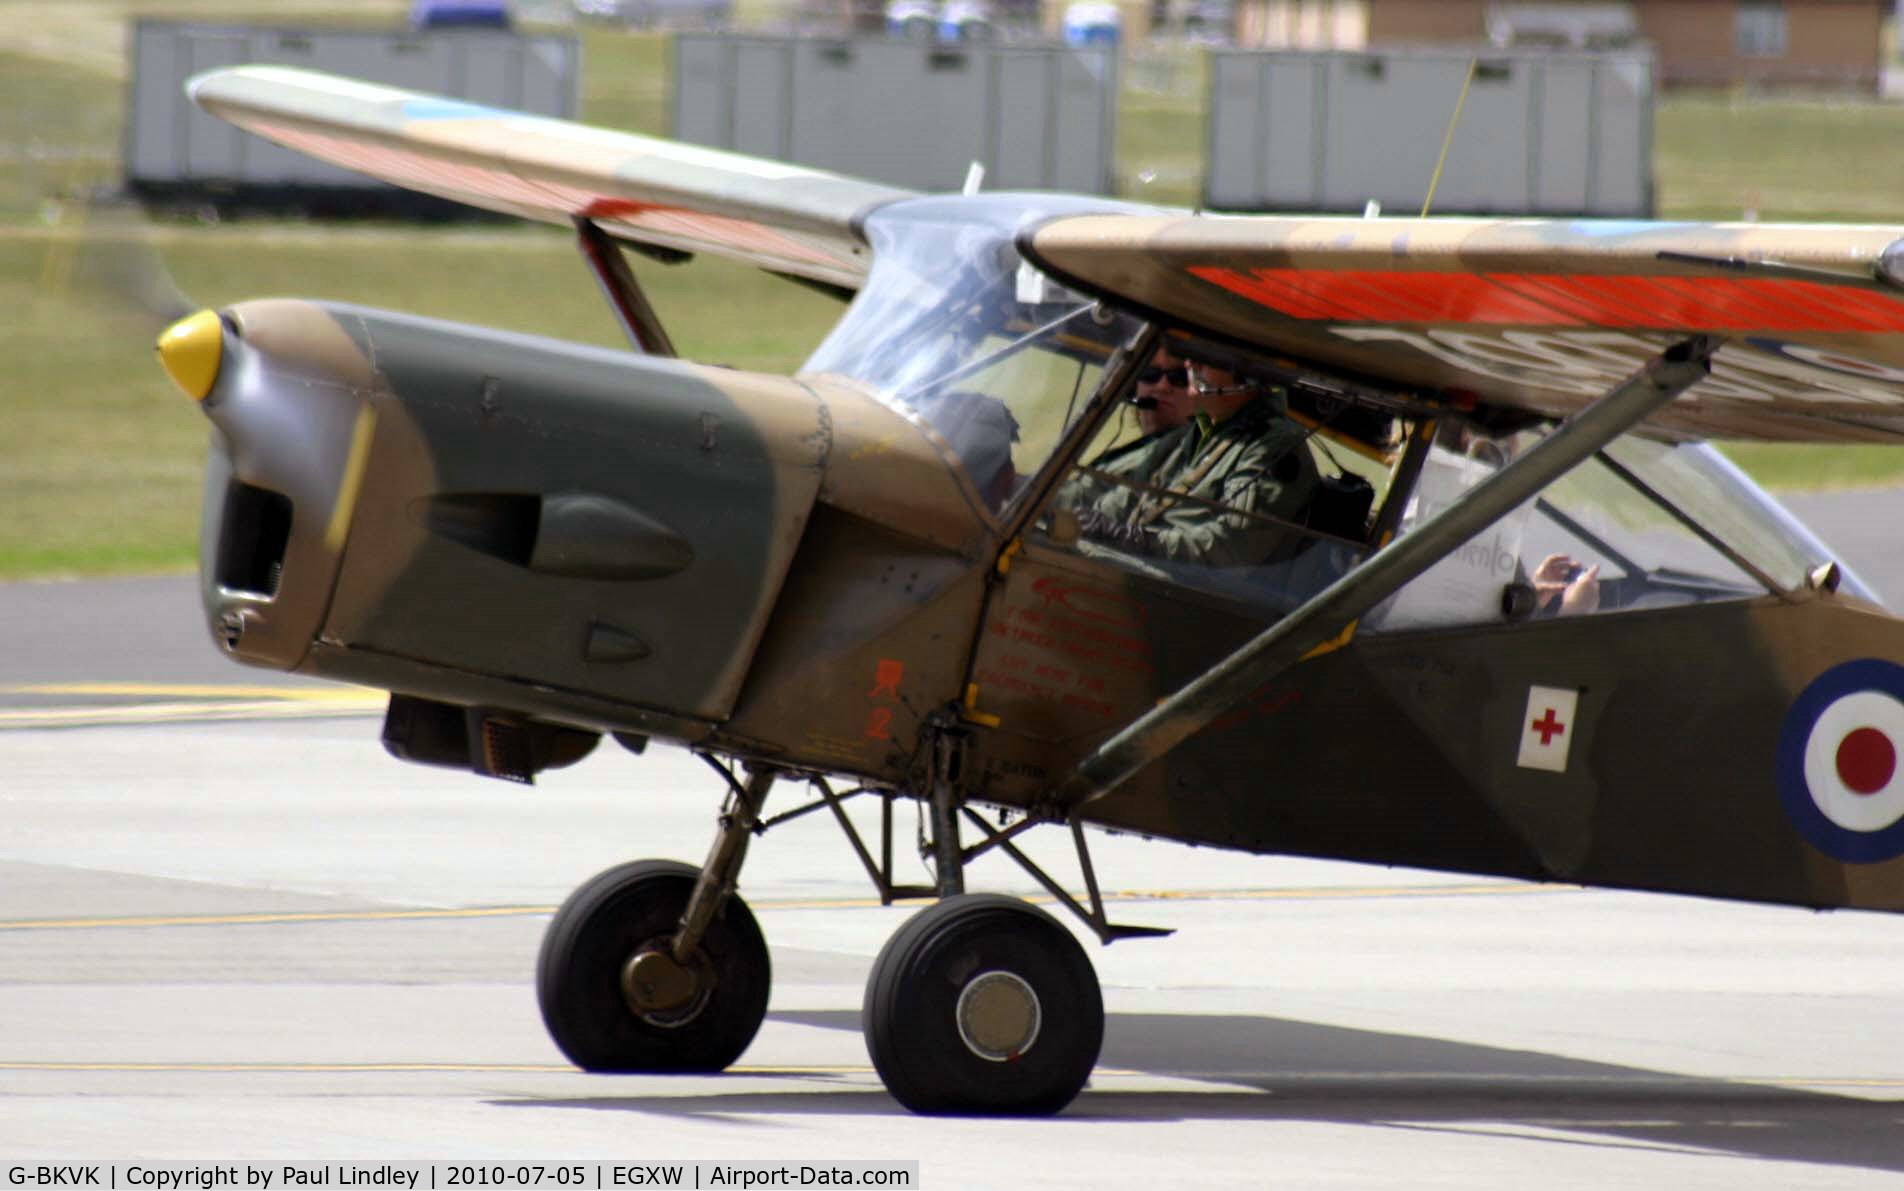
{"x": 982, "y": 431}
{"x": 1238, "y": 451}
{"x": 1559, "y": 586}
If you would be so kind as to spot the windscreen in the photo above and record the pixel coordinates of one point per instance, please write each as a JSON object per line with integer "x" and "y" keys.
{"x": 957, "y": 330}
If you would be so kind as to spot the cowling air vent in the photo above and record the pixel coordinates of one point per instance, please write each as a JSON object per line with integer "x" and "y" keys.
{"x": 257, "y": 528}
{"x": 580, "y": 535}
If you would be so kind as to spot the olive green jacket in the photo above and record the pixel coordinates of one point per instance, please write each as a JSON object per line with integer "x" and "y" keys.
{"x": 1256, "y": 461}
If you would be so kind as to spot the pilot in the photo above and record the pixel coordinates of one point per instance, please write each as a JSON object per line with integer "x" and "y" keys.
{"x": 1162, "y": 398}
{"x": 1162, "y": 402}
{"x": 1238, "y": 450}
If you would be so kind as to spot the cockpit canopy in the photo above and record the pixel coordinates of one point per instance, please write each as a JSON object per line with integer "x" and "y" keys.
{"x": 984, "y": 350}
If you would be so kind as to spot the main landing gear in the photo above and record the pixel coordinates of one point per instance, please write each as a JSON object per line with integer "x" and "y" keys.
{"x": 983, "y": 1004}
{"x": 979, "y": 1004}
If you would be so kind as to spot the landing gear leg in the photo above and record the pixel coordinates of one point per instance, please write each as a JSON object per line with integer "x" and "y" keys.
{"x": 655, "y": 966}
{"x": 948, "y": 860}
{"x": 979, "y": 1004}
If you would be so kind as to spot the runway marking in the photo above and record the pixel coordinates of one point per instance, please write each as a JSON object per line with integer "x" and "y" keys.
{"x": 174, "y": 713}
{"x": 341, "y": 1068}
{"x": 401, "y": 1068}
{"x": 191, "y": 689}
{"x": 816, "y": 1070}
{"x": 185, "y": 703}
{"x": 273, "y": 919}
{"x": 295, "y": 917}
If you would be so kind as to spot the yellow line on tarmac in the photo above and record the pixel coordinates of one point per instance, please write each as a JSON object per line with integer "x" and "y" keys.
{"x": 174, "y": 713}
{"x": 1806, "y": 1081}
{"x": 1345, "y": 892}
{"x": 414, "y": 1068}
{"x": 294, "y": 917}
{"x": 823, "y": 1070}
{"x": 186, "y": 690}
{"x": 794, "y": 1069}
{"x": 274, "y": 919}
{"x": 179, "y": 705}
{"x": 284, "y": 1067}
{"x": 1312, "y": 893}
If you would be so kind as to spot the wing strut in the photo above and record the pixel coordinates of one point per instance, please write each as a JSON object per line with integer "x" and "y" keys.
{"x": 624, "y": 294}
{"x": 1290, "y": 639}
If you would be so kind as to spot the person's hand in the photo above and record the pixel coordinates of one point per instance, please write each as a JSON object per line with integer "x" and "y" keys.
{"x": 1559, "y": 577}
{"x": 1102, "y": 528}
{"x": 1583, "y": 594}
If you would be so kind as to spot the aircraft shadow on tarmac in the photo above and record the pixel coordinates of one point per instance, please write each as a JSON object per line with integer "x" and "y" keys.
{"x": 1300, "y": 1071}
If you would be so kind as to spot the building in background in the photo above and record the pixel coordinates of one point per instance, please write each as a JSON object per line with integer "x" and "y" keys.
{"x": 1831, "y": 44}
{"x": 1303, "y": 24}
{"x": 1816, "y": 43}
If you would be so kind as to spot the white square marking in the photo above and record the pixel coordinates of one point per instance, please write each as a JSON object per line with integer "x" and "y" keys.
{"x": 1547, "y": 728}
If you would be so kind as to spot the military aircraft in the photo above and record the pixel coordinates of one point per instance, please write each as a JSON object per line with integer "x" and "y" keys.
{"x": 867, "y": 579}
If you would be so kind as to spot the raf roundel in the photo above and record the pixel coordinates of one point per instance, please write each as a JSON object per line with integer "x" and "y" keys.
{"x": 1840, "y": 774}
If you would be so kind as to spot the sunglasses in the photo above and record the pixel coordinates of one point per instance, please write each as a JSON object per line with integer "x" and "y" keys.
{"x": 1176, "y": 377}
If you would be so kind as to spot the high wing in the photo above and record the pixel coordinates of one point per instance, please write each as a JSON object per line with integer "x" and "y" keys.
{"x": 786, "y": 218}
{"x": 1535, "y": 314}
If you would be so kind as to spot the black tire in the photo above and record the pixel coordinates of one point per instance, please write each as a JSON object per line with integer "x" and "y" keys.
{"x": 947, "y": 959}
{"x": 600, "y": 928}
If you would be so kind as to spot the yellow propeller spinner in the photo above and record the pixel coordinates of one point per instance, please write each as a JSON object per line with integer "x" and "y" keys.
{"x": 191, "y": 350}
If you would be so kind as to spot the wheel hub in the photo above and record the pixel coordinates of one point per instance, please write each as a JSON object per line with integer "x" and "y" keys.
{"x": 661, "y": 990}
{"x": 999, "y": 1016}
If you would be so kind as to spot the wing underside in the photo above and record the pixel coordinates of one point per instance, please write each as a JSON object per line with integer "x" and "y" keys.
{"x": 674, "y": 196}
{"x": 1532, "y": 314}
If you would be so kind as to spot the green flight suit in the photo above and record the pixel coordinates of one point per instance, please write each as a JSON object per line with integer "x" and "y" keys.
{"x": 1136, "y": 460}
{"x": 1256, "y": 461}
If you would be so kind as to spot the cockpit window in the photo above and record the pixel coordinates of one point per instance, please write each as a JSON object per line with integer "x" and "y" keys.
{"x": 956, "y": 329}
{"x": 1711, "y": 491}
{"x": 1642, "y": 525}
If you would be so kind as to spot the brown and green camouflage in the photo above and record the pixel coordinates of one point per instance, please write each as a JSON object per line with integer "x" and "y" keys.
{"x": 800, "y": 572}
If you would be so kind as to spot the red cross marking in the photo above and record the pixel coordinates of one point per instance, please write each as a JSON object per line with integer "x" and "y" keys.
{"x": 1549, "y": 727}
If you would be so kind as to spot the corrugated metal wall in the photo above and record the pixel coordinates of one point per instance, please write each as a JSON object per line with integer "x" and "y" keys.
{"x": 1550, "y": 133}
{"x": 1040, "y": 117}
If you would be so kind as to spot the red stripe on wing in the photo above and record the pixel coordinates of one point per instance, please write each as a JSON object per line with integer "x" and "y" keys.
{"x": 1393, "y": 296}
{"x": 1264, "y": 290}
